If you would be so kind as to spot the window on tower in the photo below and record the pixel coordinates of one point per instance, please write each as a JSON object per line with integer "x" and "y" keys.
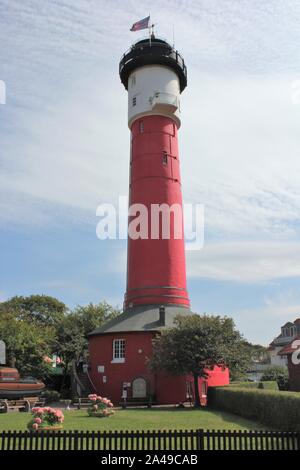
{"x": 141, "y": 127}
{"x": 134, "y": 101}
{"x": 165, "y": 158}
{"x": 133, "y": 80}
{"x": 118, "y": 350}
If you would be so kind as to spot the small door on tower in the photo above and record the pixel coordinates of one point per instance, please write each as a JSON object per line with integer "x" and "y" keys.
{"x": 139, "y": 388}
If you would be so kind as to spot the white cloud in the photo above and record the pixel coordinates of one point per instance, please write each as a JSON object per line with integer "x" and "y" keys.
{"x": 245, "y": 262}
{"x": 65, "y": 145}
{"x": 240, "y": 141}
{"x": 263, "y": 323}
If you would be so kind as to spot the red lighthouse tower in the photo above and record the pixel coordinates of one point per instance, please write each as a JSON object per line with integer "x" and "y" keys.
{"x": 154, "y": 74}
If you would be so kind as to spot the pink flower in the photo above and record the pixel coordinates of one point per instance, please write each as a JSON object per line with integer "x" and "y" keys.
{"x": 35, "y": 426}
{"x": 38, "y": 411}
{"x": 38, "y": 420}
{"x": 92, "y": 396}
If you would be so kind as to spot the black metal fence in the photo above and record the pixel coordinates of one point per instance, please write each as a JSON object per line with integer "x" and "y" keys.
{"x": 194, "y": 440}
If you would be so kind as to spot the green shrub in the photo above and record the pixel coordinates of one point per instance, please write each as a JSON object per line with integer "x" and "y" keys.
{"x": 279, "y": 410}
{"x": 279, "y": 374}
{"x": 268, "y": 385}
{"x": 51, "y": 396}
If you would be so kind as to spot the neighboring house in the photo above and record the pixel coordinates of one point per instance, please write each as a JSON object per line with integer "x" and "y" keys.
{"x": 292, "y": 352}
{"x": 289, "y": 332}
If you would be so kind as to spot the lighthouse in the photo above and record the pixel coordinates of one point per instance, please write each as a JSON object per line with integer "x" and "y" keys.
{"x": 154, "y": 75}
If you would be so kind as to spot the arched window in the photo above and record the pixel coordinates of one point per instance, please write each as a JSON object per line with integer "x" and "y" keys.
{"x": 139, "y": 388}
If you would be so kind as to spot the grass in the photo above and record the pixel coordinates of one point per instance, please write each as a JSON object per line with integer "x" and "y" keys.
{"x": 142, "y": 419}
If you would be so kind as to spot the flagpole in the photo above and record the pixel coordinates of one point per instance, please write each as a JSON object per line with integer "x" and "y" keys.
{"x": 173, "y": 36}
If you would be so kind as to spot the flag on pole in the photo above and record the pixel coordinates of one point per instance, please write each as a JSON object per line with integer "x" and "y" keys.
{"x": 142, "y": 24}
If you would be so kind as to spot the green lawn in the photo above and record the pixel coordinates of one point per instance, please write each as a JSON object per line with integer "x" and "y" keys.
{"x": 142, "y": 419}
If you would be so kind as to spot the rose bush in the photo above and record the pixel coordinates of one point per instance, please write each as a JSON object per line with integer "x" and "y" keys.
{"x": 46, "y": 418}
{"x": 100, "y": 407}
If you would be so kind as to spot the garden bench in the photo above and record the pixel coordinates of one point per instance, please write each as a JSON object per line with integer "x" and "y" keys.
{"x": 131, "y": 402}
{"x": 20, "y": 404}
{"x": 81, "y": 403}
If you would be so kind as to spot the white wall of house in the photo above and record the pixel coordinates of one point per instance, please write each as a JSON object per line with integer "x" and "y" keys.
{"x": 277, "y": 360}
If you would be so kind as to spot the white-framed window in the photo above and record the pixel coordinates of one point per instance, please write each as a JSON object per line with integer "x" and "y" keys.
{"x": 118, "y": 350}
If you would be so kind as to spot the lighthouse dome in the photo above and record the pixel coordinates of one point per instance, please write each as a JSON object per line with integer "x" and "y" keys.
{"x": 152, "y": 52}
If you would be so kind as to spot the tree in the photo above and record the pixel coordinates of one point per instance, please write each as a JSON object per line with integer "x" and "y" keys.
{"x": 278, "y": 374}
{"x": 37, "y": 326}
{"x": 195, "y": 343}
{"x": 69, "y": 343}
{"x": 26, "y": 345}
{"x": 247, "y": 354}
{"x": 92, "y": 316}
{"x": 72, "y": 332}
{"x": 28, "y": 327}
{"x": 39, "y": 309}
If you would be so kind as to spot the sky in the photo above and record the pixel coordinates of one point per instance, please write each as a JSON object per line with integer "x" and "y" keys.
{"x": 64, "y": 149}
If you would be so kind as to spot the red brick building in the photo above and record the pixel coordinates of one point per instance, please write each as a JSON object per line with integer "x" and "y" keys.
{"x": 119, "y": 354}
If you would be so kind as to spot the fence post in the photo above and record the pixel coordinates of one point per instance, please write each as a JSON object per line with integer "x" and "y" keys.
{"x": 200, "y": 439}
{"x": 75, "y": 440}
{"x": 298, "y": 441}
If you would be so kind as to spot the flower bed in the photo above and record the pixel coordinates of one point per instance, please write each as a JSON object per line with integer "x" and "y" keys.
{"x": 100, "y": 407}
{"x": 46, "y": 419}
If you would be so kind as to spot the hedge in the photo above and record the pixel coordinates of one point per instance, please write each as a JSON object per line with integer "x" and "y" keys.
{"x": 267, "y": 385}
{"x": 244, "y": 384}
{"x": 279, "y": 410}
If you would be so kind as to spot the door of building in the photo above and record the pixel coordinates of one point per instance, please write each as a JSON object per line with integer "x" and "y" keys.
{"x": 139, "y": 388}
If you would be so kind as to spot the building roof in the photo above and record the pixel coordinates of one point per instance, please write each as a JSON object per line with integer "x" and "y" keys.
{"x": 288, "y": 348}
{"x": 281, "y": 340}
{"x": 289, "y": 323}
{"x": 142, "y": 318}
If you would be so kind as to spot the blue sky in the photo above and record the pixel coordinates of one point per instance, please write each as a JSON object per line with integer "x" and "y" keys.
{"x": 64, "y": 149}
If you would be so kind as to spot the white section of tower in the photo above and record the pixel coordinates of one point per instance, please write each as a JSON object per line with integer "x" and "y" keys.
{"x": 153, "y": 90}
